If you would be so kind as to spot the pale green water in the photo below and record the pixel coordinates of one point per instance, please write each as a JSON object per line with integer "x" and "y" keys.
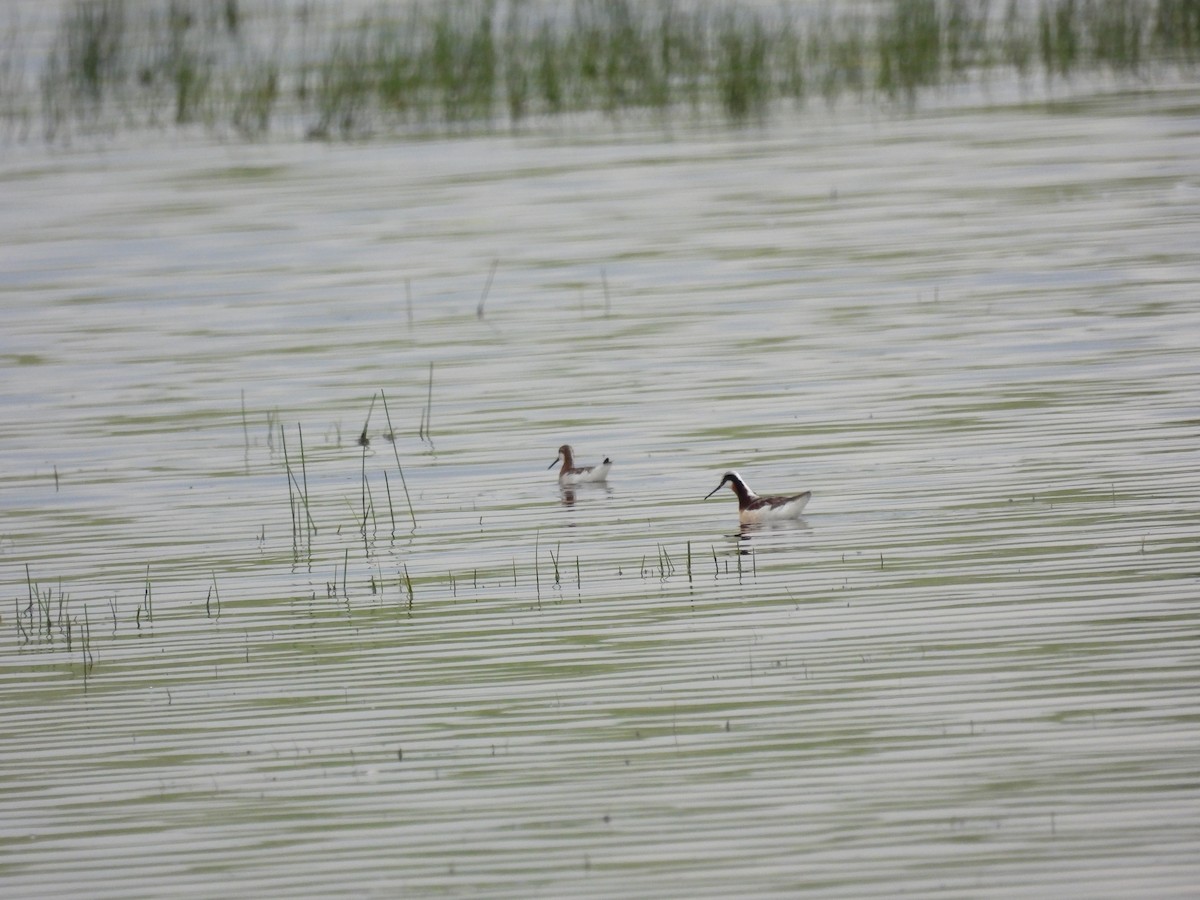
{"x": 970, "y": 669}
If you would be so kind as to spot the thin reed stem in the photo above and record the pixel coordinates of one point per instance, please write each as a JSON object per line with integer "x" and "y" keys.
{"x": 366, "y": 548}
{"x": 396, "y": 453}
{"x": 245, "y": 427}
{"x": 363, "y": 439}
{"x": 312, "y": 526}
{"x": 486, "y": 288}
{"x": 537, "y": 579}
{"x": 216, "y": 593}
{"x": 148, "y": 597}
{"x": 427, "y": 417}
{"x": 391, "y": 512}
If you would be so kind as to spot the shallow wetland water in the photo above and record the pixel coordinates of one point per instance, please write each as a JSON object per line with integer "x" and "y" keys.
{"x": 970, "y": 668}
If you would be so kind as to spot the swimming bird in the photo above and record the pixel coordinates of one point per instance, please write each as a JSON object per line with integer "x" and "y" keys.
{"x": 753, "y": 509}
{"x": 573, "y": 474}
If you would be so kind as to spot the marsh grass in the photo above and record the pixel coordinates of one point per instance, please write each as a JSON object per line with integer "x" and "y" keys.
{"x": 476, "y": 64}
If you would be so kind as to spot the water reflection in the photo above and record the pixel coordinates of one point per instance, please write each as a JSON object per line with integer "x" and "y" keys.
{"x": 750, "y": 529}
{"x": 568, "y": 493}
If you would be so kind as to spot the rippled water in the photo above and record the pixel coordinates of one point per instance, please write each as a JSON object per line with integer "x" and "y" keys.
{"x": 970, "y": 668}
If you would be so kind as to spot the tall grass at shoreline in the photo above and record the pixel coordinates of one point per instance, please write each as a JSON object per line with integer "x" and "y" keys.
{"x": 251, "y": 68}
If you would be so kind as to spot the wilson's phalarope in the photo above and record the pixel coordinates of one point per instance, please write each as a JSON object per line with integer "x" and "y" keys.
{"x": 753, "y": 509}
{"x": 572, "y": 474}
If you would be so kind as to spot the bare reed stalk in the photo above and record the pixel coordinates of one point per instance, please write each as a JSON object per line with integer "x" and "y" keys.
{"x": 425, "y": 431}
{"x": 363, "y": 439}
{"x": 85, "y": 648}
{"x": 371, "y": 509}
{"x": 44, "y": 609}
{"x": 245, "y": 427}
{"x": 486, "y": 288}
{"x": 148, "y": 597}
{"x": 366, "y": 549}
{"x": 537, "y": 579}
{"x": 391, "y": 512}
{"x": 216, "y": 593}
{"x": 312, "y": 526}
{"x": 396, "y": 452}
{"x": 292, "y": 494}
{"x": 87, "y": 639}
{"x": 17, "y": 618}
{"x": 29, "y": 586}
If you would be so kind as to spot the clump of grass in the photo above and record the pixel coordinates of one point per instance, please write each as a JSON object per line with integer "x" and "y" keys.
{"x": 183, "y": 65}
{"x": 397, "y": 66}
{"x": 92, "y": 48}
{"x": 1117, "y": 32}
{"x": 742, "y": 66}
{"x": 254, "y": 99}
{"x": 462, "y": 60}
{"x": 43, "y": 622}
{"x": 910, "y": 47}
{"x": 1016, "y": 41}
{"x": 1058, "y": 36}
{"x": 86, "y": 63}
{"x": 1177, "y": 29}
{"x": 837, "y": 55}
{"x": 343, "y": 91}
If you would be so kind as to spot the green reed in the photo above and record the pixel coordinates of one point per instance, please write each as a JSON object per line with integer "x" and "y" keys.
{"x": 911, "y": 43}
{"x": 426, "y": 65}
{"x": 1177, "y": 29}
{"x": 742, "y": 67}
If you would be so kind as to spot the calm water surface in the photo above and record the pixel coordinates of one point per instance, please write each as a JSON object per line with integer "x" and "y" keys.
{"x": 971, "y": 668}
